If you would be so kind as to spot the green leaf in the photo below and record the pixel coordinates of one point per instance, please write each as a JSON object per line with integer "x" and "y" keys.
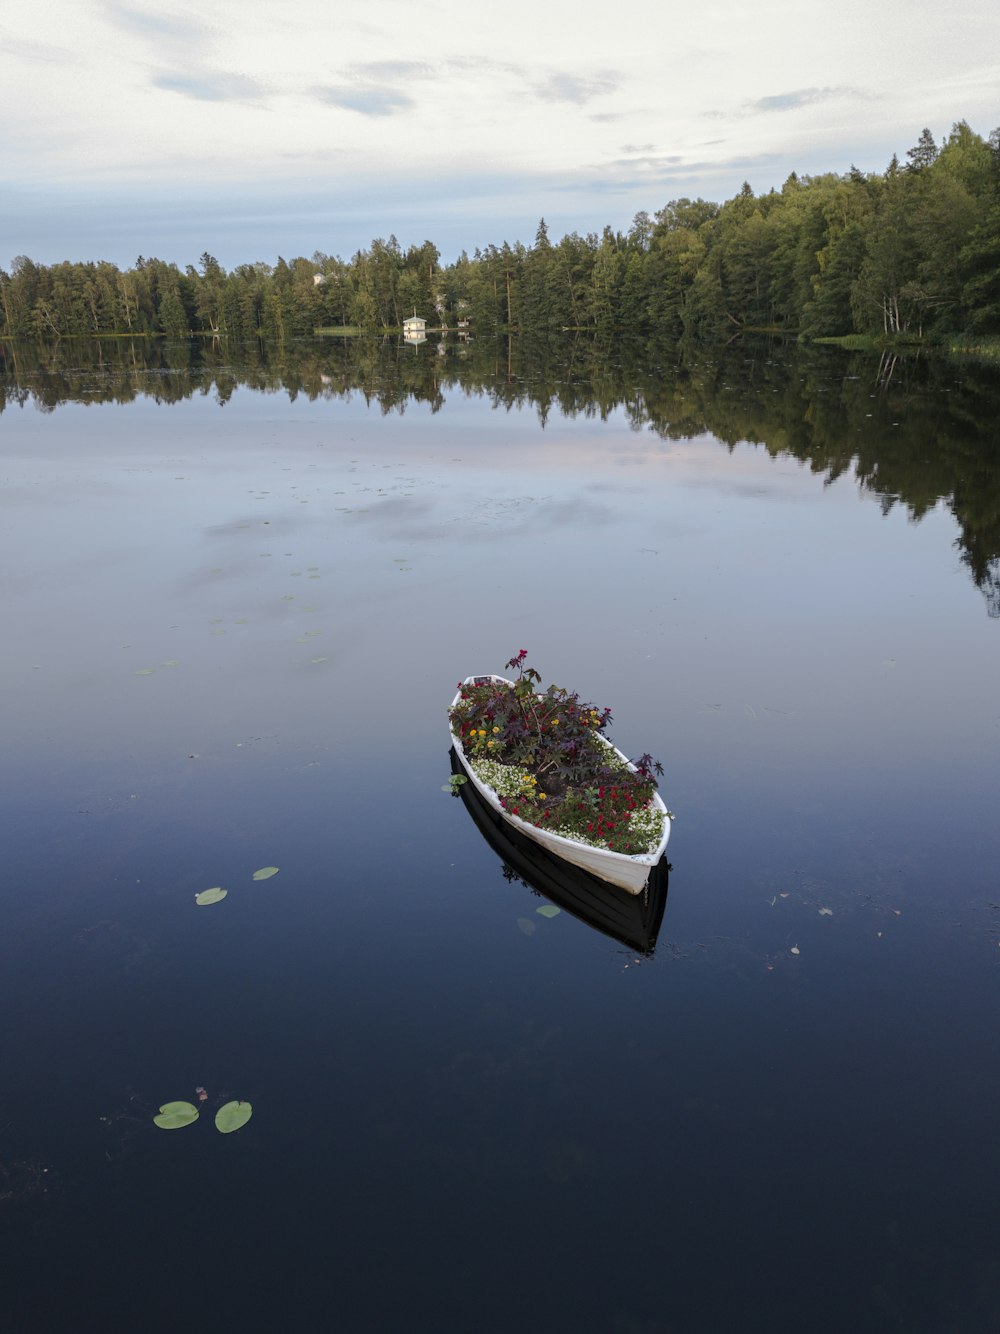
{"x": 231, "y": 1116}
{"x": 210, "y": 896}
{"x": 265, "y": 872}
{"x": 548, "y": 910}
{"x": 173, "y": 1115}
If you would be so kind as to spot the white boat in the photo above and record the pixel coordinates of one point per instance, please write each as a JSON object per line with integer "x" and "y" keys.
{"x": 628, "y": 872}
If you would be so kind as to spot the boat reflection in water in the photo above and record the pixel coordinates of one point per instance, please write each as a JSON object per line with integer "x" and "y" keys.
{"x": 632, "y": 919}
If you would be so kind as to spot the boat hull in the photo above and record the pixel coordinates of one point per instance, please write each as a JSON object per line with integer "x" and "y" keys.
{"x": 631, "y": 919}
{"x": 630, "y": 873}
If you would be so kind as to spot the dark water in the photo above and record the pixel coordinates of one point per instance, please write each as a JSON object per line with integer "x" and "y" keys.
{"x": 237, "y": 597}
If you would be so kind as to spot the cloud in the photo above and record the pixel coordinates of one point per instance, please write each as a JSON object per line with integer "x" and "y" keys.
{"x": 373, "y": 100}
{"x": 802, "y": 97}
{"x": 648, "y": 162}
{"x": 569, "y": 88}
{"x": 42, "y": 52}
{"x": 637, "y": 148}
{"x": 376, "y": 87}
{"x": 210, "y": 86}
{"x": 153, "y": 26}
{"x": 378, "y": 70}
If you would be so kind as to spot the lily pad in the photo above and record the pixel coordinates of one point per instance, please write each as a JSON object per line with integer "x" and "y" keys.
{"x": 548, "y": 910}
{"x": 173, "y": 1115}
{"x": 231, "y": 1116}
{"x": 265, "y": 872}
{"x": 215, "y": 895}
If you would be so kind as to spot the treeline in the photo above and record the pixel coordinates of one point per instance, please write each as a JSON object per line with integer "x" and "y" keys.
{"x": 914, "y": 251}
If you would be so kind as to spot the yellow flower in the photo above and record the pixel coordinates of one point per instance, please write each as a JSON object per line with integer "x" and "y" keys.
{"x": 495, "y": 730}
{"x": 542, "y": 795}
{"x": 482, "y": 731}
{"x": 491, "y": 743}
{"x": 555, "y": 722}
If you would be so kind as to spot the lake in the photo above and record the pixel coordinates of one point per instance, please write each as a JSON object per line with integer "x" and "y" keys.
{"x": 238, "y": 593}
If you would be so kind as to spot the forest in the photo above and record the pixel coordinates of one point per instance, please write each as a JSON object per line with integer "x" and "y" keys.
{"x": 909, "y": 253}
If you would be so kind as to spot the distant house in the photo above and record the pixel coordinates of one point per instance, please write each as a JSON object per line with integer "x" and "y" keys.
{"x": 415, "y": 327}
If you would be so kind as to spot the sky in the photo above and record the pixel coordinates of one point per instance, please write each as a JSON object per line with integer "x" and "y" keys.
{"x": 255, "y": 130}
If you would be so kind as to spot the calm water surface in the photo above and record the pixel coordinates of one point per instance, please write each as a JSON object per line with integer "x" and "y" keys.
{"x": 233, "y": 619}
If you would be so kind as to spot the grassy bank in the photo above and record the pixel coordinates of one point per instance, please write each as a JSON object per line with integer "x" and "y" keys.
{"x": 986, "y": 347}
{"x": 875, "y": 342}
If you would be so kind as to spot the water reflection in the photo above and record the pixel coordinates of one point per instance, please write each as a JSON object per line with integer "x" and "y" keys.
{"x": 919, "y": 434}
{"x": 632, "y": 919}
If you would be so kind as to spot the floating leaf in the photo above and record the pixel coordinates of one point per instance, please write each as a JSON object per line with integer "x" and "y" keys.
{"x": 265, "y": 872}
{"x": 231, "y": 1116}
{"x": 548, "y": 910}
{"x": 526, "y": 925}
{"x": 173, "y": 1115}
{"x": 146, "y": 671}
{"x": 795, "y": 950}
{"x": 215, "y": 895}
{"x": 826, "y": 912}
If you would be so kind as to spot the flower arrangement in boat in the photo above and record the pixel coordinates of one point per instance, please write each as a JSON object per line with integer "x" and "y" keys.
{"x": 545, "y": 755}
